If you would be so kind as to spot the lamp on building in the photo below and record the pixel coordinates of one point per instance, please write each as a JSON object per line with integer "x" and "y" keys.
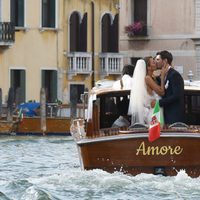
{"x": 190, "y": 75}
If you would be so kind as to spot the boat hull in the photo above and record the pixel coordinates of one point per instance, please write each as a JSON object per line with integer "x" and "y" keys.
{"x": 133, "y": 154}
{"x": 7, "y": 127}
{"x": 54, "y": 126}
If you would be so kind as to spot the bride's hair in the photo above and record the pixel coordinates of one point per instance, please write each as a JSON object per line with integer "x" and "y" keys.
{"x": 147, "y": 60}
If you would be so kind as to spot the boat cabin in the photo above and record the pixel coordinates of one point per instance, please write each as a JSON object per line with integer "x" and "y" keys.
{"x": 108, "y": 105}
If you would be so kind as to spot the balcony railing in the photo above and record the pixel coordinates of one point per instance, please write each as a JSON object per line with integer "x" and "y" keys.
{"x": 79, "y": 63}
{"x": 111, "y": 63}
{"x": 7, "y": 33}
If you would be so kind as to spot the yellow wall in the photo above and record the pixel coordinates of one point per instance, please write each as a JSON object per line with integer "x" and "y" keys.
{"x": 35, "y": 48}
{"x": 5, "y": 10}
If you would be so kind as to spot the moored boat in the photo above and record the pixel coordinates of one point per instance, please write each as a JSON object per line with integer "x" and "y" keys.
{"x": 127, "y": 149}
{"x": 54, "y": 126}
{"x": 55, "y": 122}
{"x": 7, "y": 127}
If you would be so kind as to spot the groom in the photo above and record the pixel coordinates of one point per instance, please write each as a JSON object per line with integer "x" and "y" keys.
{"x": 173, "y": 100}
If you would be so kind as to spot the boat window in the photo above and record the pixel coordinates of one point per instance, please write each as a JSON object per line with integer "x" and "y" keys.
{"x": 192, "y": 108}
{"x": 111, "y": 109}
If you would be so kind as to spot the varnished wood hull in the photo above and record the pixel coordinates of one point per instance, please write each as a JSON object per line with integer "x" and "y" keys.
{"x": 7, "y": 127}
{"x": 133, "y": 154}
{"x": 54, "y": 126}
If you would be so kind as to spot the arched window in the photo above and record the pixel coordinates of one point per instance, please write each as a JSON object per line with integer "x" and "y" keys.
{"x": 109, "y": 33}
{"x": 106, "y": 33}
{"x": 78, "y": 32}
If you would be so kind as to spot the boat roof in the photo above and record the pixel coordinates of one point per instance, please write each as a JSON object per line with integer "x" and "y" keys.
{"x": 114, "y": 92}
{"x": 109, "y": 92}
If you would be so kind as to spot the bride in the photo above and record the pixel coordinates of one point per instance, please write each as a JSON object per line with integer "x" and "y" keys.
{"x": 144, "y": 90}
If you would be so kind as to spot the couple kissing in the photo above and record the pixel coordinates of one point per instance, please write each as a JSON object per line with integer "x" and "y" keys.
{"x": 167, "y": 89}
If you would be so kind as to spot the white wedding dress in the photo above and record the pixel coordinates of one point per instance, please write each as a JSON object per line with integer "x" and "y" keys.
{"x": 140, "y": 101}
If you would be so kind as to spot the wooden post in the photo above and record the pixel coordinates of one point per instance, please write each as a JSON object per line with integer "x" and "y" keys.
{"x": 43, "y": 110}
{"x": 0, "y": 102}
{"x": 10, "y": 104}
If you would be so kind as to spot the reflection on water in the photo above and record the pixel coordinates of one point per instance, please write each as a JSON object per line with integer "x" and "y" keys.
{"x": 44, "y": 168}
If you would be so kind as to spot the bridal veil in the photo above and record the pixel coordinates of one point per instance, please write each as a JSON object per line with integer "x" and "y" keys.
{"x": 138, "y": 95}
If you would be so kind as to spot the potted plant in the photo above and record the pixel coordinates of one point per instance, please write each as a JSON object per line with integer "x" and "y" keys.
{"x": 136, "y": 28}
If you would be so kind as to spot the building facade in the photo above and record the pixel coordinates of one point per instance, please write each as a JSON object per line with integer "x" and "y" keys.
{"x": 33, "y": 59}
{"x": 167, "y": 26}
{"x": 64, "y": 46}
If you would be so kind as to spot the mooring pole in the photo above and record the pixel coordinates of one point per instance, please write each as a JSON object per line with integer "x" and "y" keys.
{"x": 43, "y": 110}
{"x": 0, "y": 102}
{"x": 10, "y": 104}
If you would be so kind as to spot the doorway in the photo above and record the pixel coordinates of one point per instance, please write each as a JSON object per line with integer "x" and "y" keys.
{"x": 17, "y": 82}
{"x": 75, "y": 97}
{"x": 49, "y": 82}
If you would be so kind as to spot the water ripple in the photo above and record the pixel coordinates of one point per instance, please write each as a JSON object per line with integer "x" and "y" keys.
{"x": 47, "y": 168}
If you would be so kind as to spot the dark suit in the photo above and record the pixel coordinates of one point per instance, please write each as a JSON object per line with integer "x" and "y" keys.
{"x": 173, "y": 100}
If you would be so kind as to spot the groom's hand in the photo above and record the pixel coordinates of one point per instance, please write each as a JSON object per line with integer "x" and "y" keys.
{"x": 153, "y": 103}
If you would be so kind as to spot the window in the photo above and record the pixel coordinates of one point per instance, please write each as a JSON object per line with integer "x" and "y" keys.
{"x": 49, "y": 82}
{"x": 78, "y": 32}
{"x": 109, "y": 33}
{"x": 17, "y": 12}
{"x": 17, "y": 82}
{"x": 139, "y": 8}
{"x": 48, "y": 13}
{"x": 1, "y": 10}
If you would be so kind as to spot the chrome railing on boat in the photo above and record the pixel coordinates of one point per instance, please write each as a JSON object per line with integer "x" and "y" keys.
{"x": 179, "y": 125}
{"x": 77, "y": 129}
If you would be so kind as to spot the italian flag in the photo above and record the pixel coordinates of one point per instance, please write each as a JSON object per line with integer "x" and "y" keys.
{"x": 156, "y": 123}
{"x": 21, "y": 115}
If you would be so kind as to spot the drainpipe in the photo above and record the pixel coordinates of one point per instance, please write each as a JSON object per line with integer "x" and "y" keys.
{"x": 93, "y": 49}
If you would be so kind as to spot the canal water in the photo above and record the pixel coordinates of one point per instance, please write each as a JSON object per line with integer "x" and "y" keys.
{"x": 44, "y": 168}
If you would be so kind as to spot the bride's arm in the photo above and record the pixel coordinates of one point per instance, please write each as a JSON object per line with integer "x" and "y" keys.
{"x": 159, "y": 89}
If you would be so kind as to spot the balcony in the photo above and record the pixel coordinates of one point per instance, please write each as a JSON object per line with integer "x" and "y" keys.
{"x": 111, "y": 64}
{"x": 79, "y": 63}
{"x": 7, "y": 33}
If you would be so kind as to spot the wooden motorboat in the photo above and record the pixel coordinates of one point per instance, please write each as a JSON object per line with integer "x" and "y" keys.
{"x": 127, "y": 149}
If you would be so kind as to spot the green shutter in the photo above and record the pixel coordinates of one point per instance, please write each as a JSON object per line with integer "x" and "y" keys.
{"x": 20, "y": 13}
{"x": 43, "y": 79}
{"x": 54, "y": 85}
{"x": 12, "y": 11}
{"x": 11, "y": 78}
{"x": 48, "y": 13}
{"x": 52, "y": 13}
{"x": 23, "y": 85}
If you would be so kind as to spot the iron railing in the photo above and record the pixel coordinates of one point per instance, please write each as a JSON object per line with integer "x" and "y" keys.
{"x": 7, "y": 32}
